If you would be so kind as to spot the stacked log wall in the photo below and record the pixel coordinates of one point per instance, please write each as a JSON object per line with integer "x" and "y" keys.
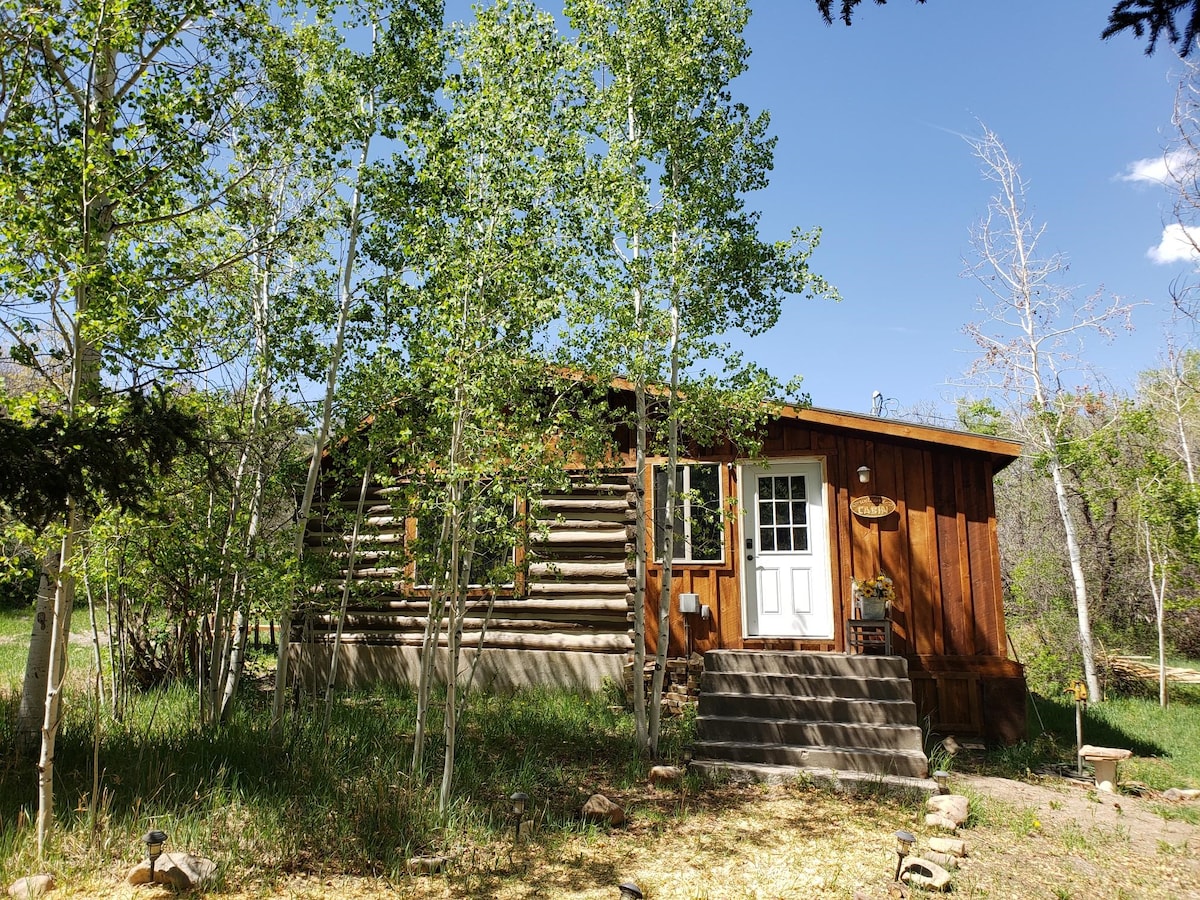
{"x": 567, "y": 619}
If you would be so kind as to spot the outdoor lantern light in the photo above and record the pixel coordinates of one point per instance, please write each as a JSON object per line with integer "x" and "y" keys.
{"x": 519, "y": 801}
{"x": 154, "y": 841}
{"x": 630, "y": 891}
{"x": 864, "y": 474}
{"x": 904, "y": 842}
{"x": 942, "y": 777}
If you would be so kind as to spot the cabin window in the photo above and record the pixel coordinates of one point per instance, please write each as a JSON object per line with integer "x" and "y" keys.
{"x": 699, "y": 524}
{"x": 491, "y": 564}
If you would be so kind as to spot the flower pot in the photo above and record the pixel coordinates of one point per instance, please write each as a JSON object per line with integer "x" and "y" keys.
{"x": 873, "y": 608}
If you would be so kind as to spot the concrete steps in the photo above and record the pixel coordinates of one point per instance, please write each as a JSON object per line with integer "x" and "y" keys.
{"x": 810, "y": 713}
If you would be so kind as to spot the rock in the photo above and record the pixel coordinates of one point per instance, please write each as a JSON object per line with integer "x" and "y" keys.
{"x": 954, "y": 807}
{"x": 31, "y": 886}
{"x": 953, "y": 846}
{"x": 426, "y": 865}
{"x": 1176, "y": 795}
{"x": 664, "y": 774}
{"x": 600, "y": 809}
{"x": 925, "y": 874}
{"x": 180, "y": 871}
{"x": 937, "y": 820}
{"x": 951, "y": 746}
{"x": 945, "y": 860}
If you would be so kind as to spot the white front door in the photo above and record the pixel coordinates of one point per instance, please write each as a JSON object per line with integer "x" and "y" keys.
{"x": 785, "y": 546}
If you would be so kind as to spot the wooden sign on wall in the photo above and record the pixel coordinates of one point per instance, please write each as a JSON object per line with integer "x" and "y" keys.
{"x": 873, "y": 506}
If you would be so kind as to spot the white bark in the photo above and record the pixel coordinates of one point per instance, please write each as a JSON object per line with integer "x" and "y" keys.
{"x": 322, "y": 437}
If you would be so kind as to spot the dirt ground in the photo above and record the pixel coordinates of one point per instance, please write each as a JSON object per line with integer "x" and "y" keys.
{"x": 1054, "y": 839}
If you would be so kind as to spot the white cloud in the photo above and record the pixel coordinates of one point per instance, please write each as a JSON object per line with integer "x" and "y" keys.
{"x": 1166, "y": 169}
{"x": 1179, "y": 244}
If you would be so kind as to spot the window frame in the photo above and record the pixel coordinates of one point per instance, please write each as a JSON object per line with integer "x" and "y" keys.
{"x": 684, "y": 511}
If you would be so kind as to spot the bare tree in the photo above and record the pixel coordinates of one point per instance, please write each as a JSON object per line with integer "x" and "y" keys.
{"x": 1030, "y": 338}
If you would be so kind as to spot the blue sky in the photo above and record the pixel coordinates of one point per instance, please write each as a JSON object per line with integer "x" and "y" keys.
{"x": 869, "y": 120}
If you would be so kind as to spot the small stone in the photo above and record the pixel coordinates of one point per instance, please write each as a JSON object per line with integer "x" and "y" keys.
{"x": 955, "y": 807}
{"x": 1176, "y": 795}
{"x": 31, "y": 886}
{"x": 937, "y": 820}
{"x": 953, "y": 846}
{"x": 600, "y": 809}
{"x": 665, "y": 774}
{"x": 951, "y": 746}
{"x": 925, "y": 874}
{"x": 426, "y": 865}
{"x": 945, "y": 860}
{"x": 181, "y": 871}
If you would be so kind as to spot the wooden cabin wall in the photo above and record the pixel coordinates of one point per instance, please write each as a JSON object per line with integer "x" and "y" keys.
{"x": 574, "y": 598}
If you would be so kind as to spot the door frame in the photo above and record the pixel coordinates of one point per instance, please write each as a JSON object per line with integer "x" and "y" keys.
{"x": 745, "y": 498}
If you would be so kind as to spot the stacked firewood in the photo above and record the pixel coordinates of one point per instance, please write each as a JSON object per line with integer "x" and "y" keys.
{"x": 681, "y": 686}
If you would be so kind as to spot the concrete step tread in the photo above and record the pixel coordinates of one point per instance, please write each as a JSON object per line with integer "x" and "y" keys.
{"x": 837, "y": 779}
{"x": 698, "y": 748}
{"x": 800, "y": 697}
{"x": 775, "y": 720}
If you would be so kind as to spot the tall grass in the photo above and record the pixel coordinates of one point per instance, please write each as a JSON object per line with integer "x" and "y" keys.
{"x": 336, "y": 800}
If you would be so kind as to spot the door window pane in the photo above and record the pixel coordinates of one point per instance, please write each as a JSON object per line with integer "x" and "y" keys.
{"x": 783, "y": 513}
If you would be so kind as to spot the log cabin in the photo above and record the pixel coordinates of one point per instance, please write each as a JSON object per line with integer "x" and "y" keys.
{"x": 768, "y": 550}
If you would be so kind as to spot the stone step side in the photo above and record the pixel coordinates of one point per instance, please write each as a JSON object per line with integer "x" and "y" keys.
{"x": 801, "y": 663}
{"x": 858, "y": 687}
{"x": 911, "y": 764}
{"x": 842, "y": 735}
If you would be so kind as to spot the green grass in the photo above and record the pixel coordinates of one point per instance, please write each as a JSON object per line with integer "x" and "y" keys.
{"x": 1165, "y": 742}
{"x": 342, "y": 799}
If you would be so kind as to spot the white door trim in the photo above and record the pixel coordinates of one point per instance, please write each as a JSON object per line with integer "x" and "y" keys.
{"x": 747, "y": 532}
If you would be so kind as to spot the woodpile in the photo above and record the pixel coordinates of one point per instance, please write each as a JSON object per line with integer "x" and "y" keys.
{"x": 681, "y": 686}
{"x": 1144, "y": 667}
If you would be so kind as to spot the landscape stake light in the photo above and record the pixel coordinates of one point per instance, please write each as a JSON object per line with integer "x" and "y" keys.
{"x": 942, "y": 777}
{"x": 630, "y": 891}
{"x": 904, "y": 842}
{"x": 154, "y": 841}
{"x": 519, "y": 800}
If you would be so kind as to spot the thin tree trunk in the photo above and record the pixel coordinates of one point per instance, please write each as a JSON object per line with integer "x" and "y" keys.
{"x": 347, "y": 585}
{"x": 314, "y": 467}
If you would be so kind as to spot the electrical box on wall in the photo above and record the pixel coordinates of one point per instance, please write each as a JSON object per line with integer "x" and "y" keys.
{"x": 689, "y": 603}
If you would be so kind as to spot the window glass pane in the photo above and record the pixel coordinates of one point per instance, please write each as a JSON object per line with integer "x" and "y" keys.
{"x": 800, "y": 536}
{"x": 766, "y": 513}
{"x": 765, "y": 491}
{"x": 798, "y": 488}
{"x": 781, "y": 488}
{"x": 766, "y": 538}
{"x": 799, "y": 512}
{"x": 704, "y": 507}
{"x": 782, "y": 513}
{"x": 785, "y": 539}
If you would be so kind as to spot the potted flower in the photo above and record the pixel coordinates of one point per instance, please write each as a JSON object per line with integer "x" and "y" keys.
{"x": 874, "y": 595}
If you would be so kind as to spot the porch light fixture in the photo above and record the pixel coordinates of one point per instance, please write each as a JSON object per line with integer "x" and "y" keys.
{"x": 942, "y": 777}
{"x": 154, "y": 841}
{"x": 904, "y": 842}
{"x": 630, "y": 891}
{"x": 519, "y": 801}
{"x": 864, "y": 474}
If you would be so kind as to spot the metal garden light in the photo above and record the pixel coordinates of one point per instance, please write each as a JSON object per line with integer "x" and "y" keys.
{"x": 630, "y": 891}
{"x": 154, "y": 841}
{"x": 942, "y": 777}
{"x": 519, "y": 801}
{"x": 904, "y": 842}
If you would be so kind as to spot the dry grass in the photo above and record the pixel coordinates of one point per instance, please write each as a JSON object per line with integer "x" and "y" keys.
{"x": 740, "y": 842}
